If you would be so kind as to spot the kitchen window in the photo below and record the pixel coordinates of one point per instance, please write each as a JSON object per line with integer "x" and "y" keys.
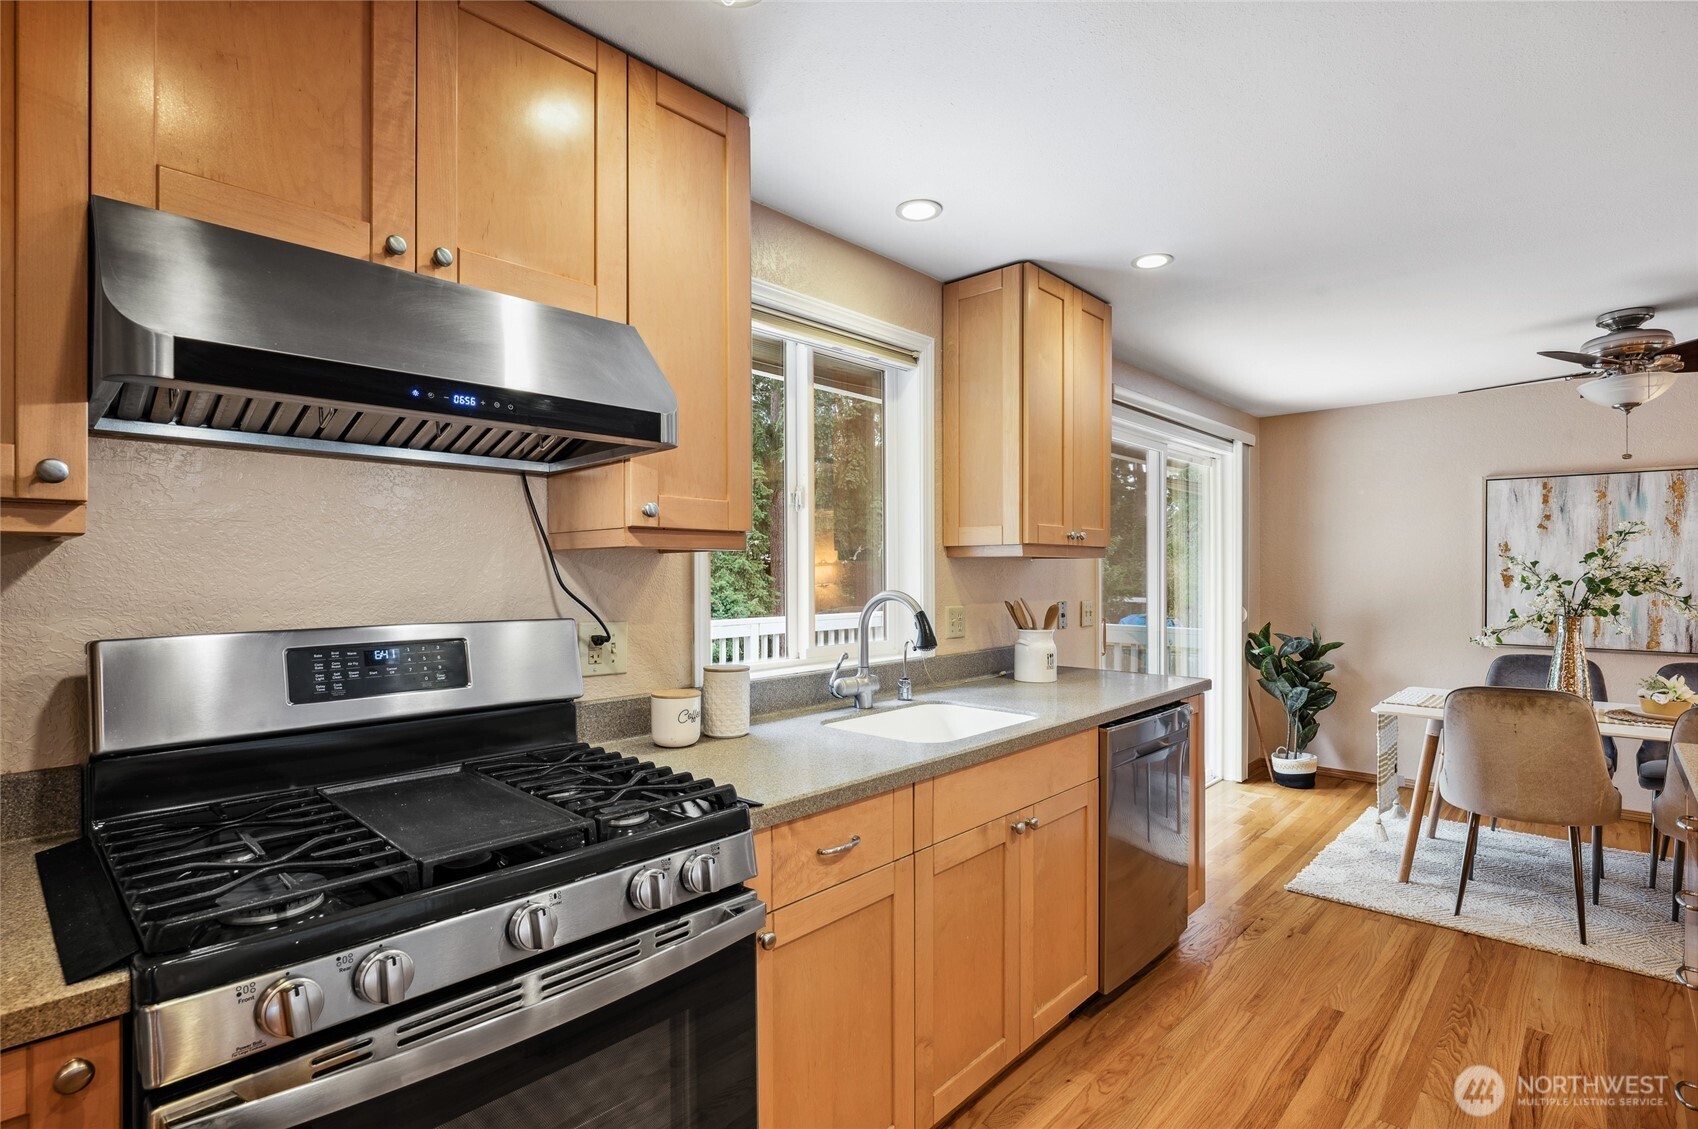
{"x": 842, "y": 476}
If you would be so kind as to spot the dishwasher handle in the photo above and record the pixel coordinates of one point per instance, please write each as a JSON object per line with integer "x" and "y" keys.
{"x": 1145, "y": 736}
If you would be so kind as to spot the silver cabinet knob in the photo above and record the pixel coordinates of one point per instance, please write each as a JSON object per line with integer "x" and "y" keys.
{"x": 651, "y": 509}
{"x": 289, "y": 1008}
{"x": 533, "y": 927}
{"x": 395, "y": 245}
{"x": 384, "y": 977}
{"x": 769, "y": 941}
{"x": 650, "y": 889}
{"x": 52, "y": 470}
{"x": 75, "y": 1075}
{"x": 699, "y": 874}
{"x": 1021, "y": 827}
{"x": 442, "y": 257}
{"x": 1032, "y": 823}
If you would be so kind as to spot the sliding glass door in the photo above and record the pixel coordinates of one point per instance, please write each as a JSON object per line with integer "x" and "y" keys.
{"x": 1169, "y": 597}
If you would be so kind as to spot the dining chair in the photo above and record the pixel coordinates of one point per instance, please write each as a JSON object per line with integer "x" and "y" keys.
{"x": 1533, "y": 672}
{"x": 1668, "y": 806}
{"x": 1530, "y": 755}
{"x": 1652, "y": 761}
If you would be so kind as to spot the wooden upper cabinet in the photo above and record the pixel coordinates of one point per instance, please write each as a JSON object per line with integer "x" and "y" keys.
{"x": 44, "y": 60}
{"x": 689, "y": 296}
{"x": 290, "y": 120}
{"x": 521, "y": 155}
{"x": 1026, "y": 386}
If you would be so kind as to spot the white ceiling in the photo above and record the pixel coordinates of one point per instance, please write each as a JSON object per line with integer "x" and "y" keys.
{"x": 1367, "y": 201}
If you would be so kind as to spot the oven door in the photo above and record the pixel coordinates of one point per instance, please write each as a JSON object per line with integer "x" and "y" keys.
{"x": 653, "y": 1030}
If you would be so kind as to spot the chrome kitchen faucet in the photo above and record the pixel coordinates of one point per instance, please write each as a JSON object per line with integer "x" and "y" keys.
{"x": 863, "y": 684}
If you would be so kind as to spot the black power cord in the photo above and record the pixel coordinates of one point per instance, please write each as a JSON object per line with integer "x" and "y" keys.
{"x": 536, "y": 520}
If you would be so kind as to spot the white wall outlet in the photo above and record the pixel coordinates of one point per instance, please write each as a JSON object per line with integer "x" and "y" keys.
{"x": 955, "y": 623}
{"x": 609, "y": 658}
{"x": 1062, "y": 621}
{"x": 1087, "y": 613}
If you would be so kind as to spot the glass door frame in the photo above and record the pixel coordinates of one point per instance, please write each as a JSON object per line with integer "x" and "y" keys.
{"x": 1224, "y": 751}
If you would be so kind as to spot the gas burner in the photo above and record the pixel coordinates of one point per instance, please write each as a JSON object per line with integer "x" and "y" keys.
{"x": 266, "y": 890}
{"x": 626, "y": 823}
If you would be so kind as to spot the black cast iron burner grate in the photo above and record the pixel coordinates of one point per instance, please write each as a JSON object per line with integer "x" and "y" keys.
{"x": 622, "y": 795}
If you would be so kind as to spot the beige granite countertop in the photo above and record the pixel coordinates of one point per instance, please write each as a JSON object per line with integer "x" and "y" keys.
{"x": 794, "y": 765}
{"x": 35, "y": 1001}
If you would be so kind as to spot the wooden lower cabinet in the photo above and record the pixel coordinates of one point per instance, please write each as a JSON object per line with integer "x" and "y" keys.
{"x": 967, "y": 948}
{"x": 33, "y": 1076}
{"x": 1058, "y": 910}
{"x": 836, "y": 1006}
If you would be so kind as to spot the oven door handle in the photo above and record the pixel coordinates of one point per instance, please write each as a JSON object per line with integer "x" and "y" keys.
{"x": 288, "y": 1094}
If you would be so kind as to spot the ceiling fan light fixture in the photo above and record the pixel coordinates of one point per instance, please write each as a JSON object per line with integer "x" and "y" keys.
{"x": 919, "y": 210}
{"x": 1155, "y": 260}
{"x": 1625, "y": 391}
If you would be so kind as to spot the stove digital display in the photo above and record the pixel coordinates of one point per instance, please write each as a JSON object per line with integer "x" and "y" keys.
{"x": 335, "y": 672}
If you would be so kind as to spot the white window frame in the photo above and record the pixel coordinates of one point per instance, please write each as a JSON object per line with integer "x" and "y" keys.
{"x": 910, "y": 479}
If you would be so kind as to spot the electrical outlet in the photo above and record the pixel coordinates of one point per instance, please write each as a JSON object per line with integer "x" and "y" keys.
{"x": 955, "y": 623}
{"x": 609, "y": 658}
{"x": 1062, "y": 621}
{"x": 1087, "y": 613}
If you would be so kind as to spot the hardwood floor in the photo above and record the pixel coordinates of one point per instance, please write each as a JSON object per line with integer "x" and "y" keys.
{"x": 1279, "y": 1011}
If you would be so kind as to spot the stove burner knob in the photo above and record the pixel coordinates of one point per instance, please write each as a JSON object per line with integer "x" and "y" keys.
{"x": 384, "y": 977}
{"x": 533, "y": 927}
{"x": 290, "y": 1007}
{"x": 650, "y": 889}
{"x": 698, "y": 873}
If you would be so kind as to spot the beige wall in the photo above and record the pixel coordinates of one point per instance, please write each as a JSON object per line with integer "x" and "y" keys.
{"x": 192, "y": 539}
{"x": 1372, "y": 523}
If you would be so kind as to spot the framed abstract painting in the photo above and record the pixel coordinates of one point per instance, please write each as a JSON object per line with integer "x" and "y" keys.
{"x": 1558, "y": 518}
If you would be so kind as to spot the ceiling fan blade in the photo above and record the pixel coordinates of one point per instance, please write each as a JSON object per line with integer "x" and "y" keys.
{"x": 1586, "y": 359}
{"x": 1521, "y": 383}
{"x": 1687, "y": 351}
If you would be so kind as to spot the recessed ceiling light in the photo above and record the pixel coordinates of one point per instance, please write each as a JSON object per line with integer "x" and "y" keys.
{"x": 919, "y": 210}
{"x": 1152, "y": 261}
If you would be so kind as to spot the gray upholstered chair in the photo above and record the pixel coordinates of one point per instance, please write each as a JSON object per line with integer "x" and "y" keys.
{"x": 1530, "y": 755}
{"x": 1533, "y": 673}
{"x": 1652, "y": 762}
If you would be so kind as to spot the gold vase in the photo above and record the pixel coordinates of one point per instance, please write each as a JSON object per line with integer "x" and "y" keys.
{"x": 1570, "y": 672}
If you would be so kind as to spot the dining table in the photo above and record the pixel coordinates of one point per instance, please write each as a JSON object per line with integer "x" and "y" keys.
{"x": 1426, "y": 704}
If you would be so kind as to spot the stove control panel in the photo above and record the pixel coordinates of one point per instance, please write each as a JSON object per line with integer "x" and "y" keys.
{"x": 365, "y": 670}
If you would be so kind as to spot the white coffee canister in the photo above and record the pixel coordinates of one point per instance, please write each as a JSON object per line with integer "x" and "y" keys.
{"x": 675, "y": 717}
{"x": 1034, "y": 656}
{"x": 725, "y": 700}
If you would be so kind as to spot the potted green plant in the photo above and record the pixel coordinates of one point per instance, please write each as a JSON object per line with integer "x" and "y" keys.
{"x": 1292, "y": 669}
{"x": 1668, "y": 696}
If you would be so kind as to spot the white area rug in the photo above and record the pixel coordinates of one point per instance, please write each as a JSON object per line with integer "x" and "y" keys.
{"x": 1522, "y": 891}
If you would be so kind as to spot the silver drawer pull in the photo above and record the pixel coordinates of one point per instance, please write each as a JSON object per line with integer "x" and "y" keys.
{"x": 841, "y": 848}
{"x": 1680, "y": 975}
{"x": 1685, "y": 823}
{"x": 1680, "y": 1096}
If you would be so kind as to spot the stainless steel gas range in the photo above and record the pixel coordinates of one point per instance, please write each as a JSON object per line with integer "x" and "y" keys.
{"x": 374, "y": 878}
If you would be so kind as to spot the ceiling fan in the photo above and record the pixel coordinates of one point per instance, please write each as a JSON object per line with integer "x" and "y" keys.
{"x": 1628, "y": 365}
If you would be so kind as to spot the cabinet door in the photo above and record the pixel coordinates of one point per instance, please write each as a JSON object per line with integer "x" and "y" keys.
{"x": 89, "y": 1056}
{"x": 981, "y": 409}
{"x": 521, "y": 156}
{"x": 44, "y": 245}
{"x": 836, "y": 1007}
{"x": 291, "y": 120}
{"x": 690, "y": 294}
{"x": 967, "y": 942}
{"x": 1048, "y": 336}
{"x": 1058, "y": 910}
{"x": 1089, "y": 380}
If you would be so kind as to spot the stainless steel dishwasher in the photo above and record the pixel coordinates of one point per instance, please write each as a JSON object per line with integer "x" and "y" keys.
{"x": 1146, "y": 839}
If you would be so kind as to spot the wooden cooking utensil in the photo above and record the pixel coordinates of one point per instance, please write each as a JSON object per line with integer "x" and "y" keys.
{"x": 1014, "y": 614}
{"x": 1052, "y": 617}
{"x": 1031, "y": 620}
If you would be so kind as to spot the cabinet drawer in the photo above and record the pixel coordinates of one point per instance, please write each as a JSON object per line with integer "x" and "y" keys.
{"x": 856, "y": 838}
{"x": 963, "y": 800}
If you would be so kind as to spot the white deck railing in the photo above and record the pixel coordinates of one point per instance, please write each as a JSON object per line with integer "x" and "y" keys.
{"x": 1127, "y": 648}
{"x": 762, "y": 639}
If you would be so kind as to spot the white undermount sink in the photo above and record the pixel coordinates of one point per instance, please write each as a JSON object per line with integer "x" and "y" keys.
{"x": 929, "y": 723}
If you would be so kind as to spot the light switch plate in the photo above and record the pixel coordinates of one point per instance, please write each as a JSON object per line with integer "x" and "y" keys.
{"x": 1062, "y": 621}
{"x": 609, "y": 658}
{"x": 1087, "y": 613}
{"x": 955, "y": 623}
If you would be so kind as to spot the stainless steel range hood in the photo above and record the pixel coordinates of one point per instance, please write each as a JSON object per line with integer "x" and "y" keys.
{"x": 212, "y": 335}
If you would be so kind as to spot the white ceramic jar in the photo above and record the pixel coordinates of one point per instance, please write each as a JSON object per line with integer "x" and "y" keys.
{"x": 675, "y": 717}
{"x": 1034, "y": 656}
{"x": 725, "y": 700}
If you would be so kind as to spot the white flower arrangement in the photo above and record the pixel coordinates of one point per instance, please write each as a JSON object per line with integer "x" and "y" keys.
{"x": 1665, "y": 690}
{"x": 1605, "y": 580}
